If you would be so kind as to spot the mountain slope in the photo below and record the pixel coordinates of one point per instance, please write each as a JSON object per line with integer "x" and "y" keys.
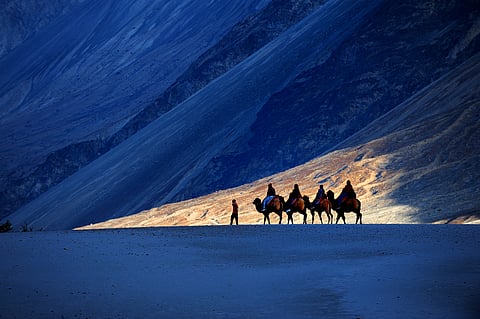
{"x": 241, "y": 41}
{"x": 313, "y": 85}
{"x": 416, "y": 164}
{"x": 80, "y": 75}
{"x": 156, "y": 164}
{"x": 19, "y": 20}
{"x": 401, "y": 48}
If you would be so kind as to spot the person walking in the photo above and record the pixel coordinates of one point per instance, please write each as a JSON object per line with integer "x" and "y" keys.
{"x": 234, "y": 216}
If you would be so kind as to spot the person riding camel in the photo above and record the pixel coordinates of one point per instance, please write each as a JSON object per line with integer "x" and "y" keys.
{"x": 271, "y": 193}
{"x": 347, "y": 192}
{"x": 320, "y": 195}
{"x": 294, "y": 195}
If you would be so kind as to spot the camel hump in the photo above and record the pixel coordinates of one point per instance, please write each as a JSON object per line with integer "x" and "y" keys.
{"x": 300, "y": 203}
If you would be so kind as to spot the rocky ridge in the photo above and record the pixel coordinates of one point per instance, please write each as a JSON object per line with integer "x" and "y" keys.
{"x": 416, "y": 164}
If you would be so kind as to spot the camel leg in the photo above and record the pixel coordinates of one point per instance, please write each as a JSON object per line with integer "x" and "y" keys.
{"x": 359, "y": 218}
{"x": 305, "y": 218}
{"x": 266, "y": 218}
{"x": 320, "y": 215}
{"x": 313, "y": 217}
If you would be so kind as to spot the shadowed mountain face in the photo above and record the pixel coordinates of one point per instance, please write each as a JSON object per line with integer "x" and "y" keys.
{"x": 398, "y": 50}
{"x": 242, "y": 41}
{"x": 20, "y": 19}
{"x": 80, "y": 70}
{"x": 280, "y": 88}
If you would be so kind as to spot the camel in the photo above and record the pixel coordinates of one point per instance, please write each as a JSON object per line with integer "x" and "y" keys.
{"x": 323, "y": 205}
{"x": 274, "y": 206}
{"x": 348, "y": 205}
{"x": 298, "y": 206}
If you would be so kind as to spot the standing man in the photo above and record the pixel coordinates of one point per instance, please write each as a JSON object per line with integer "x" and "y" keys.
{"x": 234, "y": 212}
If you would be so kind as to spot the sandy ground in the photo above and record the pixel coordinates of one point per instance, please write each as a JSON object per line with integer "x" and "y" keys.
{"x": 287, "y": 271}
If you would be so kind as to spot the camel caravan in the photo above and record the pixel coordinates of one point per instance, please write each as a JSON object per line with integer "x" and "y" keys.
{"x": 346, "y": 202}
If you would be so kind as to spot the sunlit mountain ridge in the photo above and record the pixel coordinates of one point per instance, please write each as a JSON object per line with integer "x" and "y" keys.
{"x": 417, "y": 164}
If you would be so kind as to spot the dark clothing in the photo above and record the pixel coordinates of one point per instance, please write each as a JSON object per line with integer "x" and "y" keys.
{"x": 234, "y": 215}
{"x": 234, "y": 208}
{"x": 347, "y": 190}
{"x": 320, "y": 194}
{"x": 271, "y": 191}
{"x": 294, "y": 195}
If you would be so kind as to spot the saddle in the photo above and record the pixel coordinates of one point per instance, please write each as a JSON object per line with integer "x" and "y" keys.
{"x": 271, "y": 200}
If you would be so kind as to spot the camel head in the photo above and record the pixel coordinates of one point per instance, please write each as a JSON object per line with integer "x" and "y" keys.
{"x": 258, "y": 203}
{"x": 331, "y": 196}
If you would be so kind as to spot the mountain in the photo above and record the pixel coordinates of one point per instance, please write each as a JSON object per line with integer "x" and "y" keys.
{"x": 82, "y": 69}
{"x": 395, "y": 52}
{"x": 247, "y": 36}
{"x": 302, "y": 91}
{"x": 416, "y": 164}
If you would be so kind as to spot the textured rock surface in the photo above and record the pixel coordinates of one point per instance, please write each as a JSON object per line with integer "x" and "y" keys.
{"x": 399, "y": 50}
{"x": 83, "y": 71}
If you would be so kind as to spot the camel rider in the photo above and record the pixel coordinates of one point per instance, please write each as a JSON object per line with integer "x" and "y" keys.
{"x": 347, "y": 192}
{"x": 320, "y": 195}
{"x": 294, "y": 195}
{"x": 271, "y": 193}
